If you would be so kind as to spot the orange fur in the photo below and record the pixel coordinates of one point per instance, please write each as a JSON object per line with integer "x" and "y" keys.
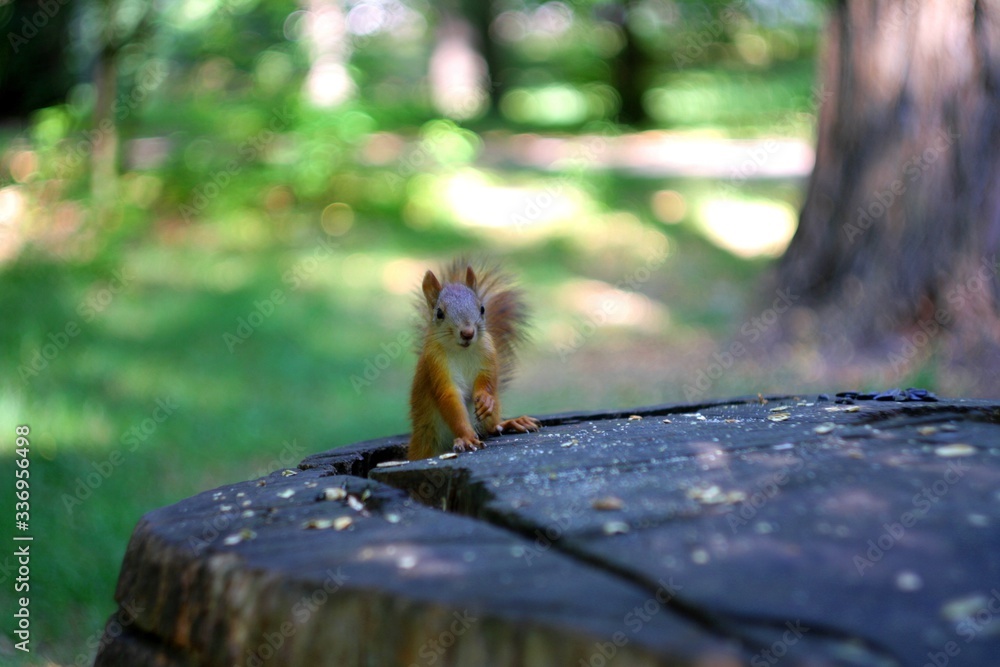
{"x": 466, "y": 358}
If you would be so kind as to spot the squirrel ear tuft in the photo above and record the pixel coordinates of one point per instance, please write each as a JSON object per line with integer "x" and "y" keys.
{"x": 470, "y": 278}
{"x": 431, "y": 288}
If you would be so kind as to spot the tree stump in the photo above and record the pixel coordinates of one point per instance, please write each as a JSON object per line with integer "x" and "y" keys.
{"x": 744, "y": 531}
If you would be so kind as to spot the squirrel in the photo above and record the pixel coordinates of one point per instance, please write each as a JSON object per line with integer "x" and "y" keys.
{"x": 471, "y": 325}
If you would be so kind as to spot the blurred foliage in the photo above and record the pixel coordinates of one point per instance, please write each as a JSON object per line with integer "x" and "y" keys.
{"x": 287, "y": 171}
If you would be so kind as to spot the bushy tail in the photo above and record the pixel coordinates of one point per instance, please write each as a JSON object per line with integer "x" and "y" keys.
{"x": 506, "y": 311}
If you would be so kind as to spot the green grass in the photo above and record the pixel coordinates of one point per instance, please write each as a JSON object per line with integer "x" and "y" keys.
{"x": 738, "y": 102}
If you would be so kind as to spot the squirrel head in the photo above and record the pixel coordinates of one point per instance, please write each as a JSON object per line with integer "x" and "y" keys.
{"x": 455, "y": 309}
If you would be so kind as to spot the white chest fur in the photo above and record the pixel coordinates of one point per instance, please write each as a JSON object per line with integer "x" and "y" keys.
{"x": 463, "y": 369}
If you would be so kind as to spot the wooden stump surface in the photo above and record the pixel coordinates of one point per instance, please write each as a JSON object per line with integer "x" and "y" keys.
{"x": 793, "y": 530}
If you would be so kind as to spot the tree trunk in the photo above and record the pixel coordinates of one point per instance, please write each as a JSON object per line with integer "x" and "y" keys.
{"x": 627, "y": 68}
{"x": 898, "y": 238}
{"x": 104, "y": 153}
{"x": 480, "y": 14}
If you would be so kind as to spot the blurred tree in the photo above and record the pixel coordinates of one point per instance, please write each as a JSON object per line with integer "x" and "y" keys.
{"x": 900, "y": 230}
{"x": 329, "y": 82}
{"x": 458, "y": 73}
{"x": 629, "y": 64}
{"x": 118, "y": 24}
{"x": 104, "y": 154}
{"x": 480, "y": 14}
{"x": 34, "y": 63}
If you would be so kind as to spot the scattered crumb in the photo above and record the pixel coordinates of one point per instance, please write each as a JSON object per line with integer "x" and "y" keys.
{"x": 333, "y": 493}
{"x": 391, "y": 464}
{"x": 615, "y": 528}
{"x": 909, "y": 581}
{"x": 956, "y": 450}
{"x": 608, "y": 503}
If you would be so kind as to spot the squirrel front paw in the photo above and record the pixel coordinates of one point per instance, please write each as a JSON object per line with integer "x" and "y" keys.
{"x": 485, "y": 404}
{"x": 520, "y": 424}
{"x": 465, "y": 444}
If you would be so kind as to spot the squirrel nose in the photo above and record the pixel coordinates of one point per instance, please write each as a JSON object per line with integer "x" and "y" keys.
{"x": 468, "y": 333}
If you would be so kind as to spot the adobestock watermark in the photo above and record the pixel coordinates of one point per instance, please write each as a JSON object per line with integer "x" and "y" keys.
{"x": 779, "y": 648}
{"x": 922, "y": 503}
{"x": 914, "y": 343}
{"x": 751, "y": 330}
{"x": 913, "y": 169}
{"x": 289, "y": 457}
{"x": 247, "y": 325}
{"x": 304, "y": 268}
{"x": 976, "y": 284}
{"x": 263, "y": 309}
{"x": 970, "y": 292}
{"x": 301, "y": 613}
{"x": 35, "y": 23}
{"x": 553, "y": 532}
{"x": 97, "y": 300}
{"x": 421, "y": 154}
{"x": 374, "y": 366}
{"x": 536, "y": 206}
{"x": 769, "y": 487}
{"x": 602, "y": 314}
{"x": 973, "y": 615}
{"x": 432, "y": 485}
{"x": 984, "y": 617}
{"x": 752, "y": 164}
{"x": 588, "y": 151}
{"x": 762, "y": 152}
{"x": 127, "y": 615}
{"x": 634, "y": 621}
{"x": 211, "y": 529}
{"x": 432, "y": 651}
{"x": 136, "y": 435}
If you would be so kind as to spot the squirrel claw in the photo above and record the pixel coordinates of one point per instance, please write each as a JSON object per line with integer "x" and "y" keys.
{"x": 520, "y": 424}
{"x": 485, "y": 403}
{"x": 467, "y": 444}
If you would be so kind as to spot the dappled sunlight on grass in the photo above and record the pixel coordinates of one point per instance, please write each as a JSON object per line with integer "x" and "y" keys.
{"x": 586, "y": 305}
{"x": 401, "y": 276}
{"x": 748, "y": 228}
{"x": 475, "y": 200}
{"x": 737, "y": 102}
{"x": 559, "y": 105}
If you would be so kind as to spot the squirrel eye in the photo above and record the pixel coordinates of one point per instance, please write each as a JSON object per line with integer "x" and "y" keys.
{"x": 482, "y": 310}
{"x": 440, "y": 314}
